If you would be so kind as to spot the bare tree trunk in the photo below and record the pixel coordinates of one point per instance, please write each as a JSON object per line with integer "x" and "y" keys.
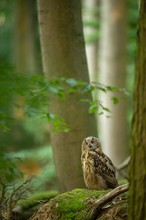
{"x": 25, "y": 44}
{"x": 24, "y": 50}
{"x": 63, "y": 54}
{"x": 137, "y": 198}
{"x": 112, "y": 71}
{"x": 91, "y": 48}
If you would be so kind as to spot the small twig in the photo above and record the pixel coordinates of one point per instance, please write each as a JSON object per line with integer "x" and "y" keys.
{"x": 105, "y": 199}
{"x": 20, "y": 195}
{"x": 3, "y": 191}
{"x": 10, "y": 201}
{"x": 2, "y": 196}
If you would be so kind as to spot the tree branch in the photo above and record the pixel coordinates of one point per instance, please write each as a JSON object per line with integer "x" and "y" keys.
{"x": 124, "y": 164}
{"x": 105, "y": 199}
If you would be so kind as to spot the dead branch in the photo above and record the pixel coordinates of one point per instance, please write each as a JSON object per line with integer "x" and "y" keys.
{"x": 11, "y": 201}
{"x": 124, "y": 164}
{"x": 3, "y": 191}
{"x": 97, "y": 206}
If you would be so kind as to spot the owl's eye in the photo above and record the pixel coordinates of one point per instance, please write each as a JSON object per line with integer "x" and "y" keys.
{"x": 86, "y": 141}
{"x": 92, "y": 141}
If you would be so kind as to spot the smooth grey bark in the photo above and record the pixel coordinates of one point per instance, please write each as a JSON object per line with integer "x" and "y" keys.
{"x": 63, "y": 54}
{"x": 112, "y": 72}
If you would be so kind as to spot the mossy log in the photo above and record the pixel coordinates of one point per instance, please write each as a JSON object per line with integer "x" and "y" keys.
{"x": 37, "y": 199}
{"x": 77, "y": 205}
{"x": 26, "y": 207}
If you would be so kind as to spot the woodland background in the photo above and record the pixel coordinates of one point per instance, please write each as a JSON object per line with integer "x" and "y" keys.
{"x": 44, "y": 117}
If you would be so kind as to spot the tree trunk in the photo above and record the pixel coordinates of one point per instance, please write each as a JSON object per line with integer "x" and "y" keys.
{"x": 137, "y": 198}
{"x": 24, "y": 52}
{"x": 112, "y": 71}
{"x": 91, "y": 47}
{"x": 25, "y": 43}
{"x": 63, "y": 54}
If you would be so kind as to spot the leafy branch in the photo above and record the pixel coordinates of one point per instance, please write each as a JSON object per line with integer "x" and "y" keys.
{"x": 37, "y": 91}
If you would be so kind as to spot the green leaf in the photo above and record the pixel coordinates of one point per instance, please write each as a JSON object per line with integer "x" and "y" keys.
{"x": 115, "y": 100}
{"x": 58, "y": 123}
{"x": 93, "y": 108}
{"x": 89, "y": 88}
{"x": 72, "y": 82}
{"x": 113, "y": 88}
{"x": 101, "y": 88}
{"x": 104, "y": 108}
{"x": 100, "y": 113}
{"x": 50, "y": 116}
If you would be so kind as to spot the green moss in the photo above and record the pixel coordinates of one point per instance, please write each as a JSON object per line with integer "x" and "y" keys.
{"x": 37, "y": 198}
{"x": 77, "y": 205}
{"x": 74, "y": 204}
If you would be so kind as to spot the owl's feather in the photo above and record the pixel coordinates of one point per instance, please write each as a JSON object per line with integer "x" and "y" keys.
{"x": 104, "y": 166}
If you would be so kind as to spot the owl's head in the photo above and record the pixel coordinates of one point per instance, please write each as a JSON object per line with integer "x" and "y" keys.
{"x": 91, "y": 143}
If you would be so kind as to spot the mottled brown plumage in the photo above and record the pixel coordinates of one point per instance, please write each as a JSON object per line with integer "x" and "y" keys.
{"x": 98, "y": 170}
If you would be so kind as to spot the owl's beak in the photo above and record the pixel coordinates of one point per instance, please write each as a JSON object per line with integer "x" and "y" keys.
{"x": 90, "y": 145}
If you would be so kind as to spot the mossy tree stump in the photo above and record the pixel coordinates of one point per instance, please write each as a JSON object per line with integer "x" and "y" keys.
{"x": 77, "y": 204}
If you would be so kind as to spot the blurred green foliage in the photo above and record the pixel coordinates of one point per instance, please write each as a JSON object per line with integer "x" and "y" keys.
{"x": 38, "y": 175}
{"x": 40, "y": 161}
{"x": 36, "y": 91}
{"x": 91, "y": 21}
{"x": 8, "y": 168}
{"x": 132, "y": 48}
{"x": 10, "y": 84}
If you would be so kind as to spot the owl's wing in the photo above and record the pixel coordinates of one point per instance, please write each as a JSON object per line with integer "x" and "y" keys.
{"x": 104, "y": 166}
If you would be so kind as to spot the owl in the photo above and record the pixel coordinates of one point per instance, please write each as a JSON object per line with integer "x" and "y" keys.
{"x": 98, "y": 170}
